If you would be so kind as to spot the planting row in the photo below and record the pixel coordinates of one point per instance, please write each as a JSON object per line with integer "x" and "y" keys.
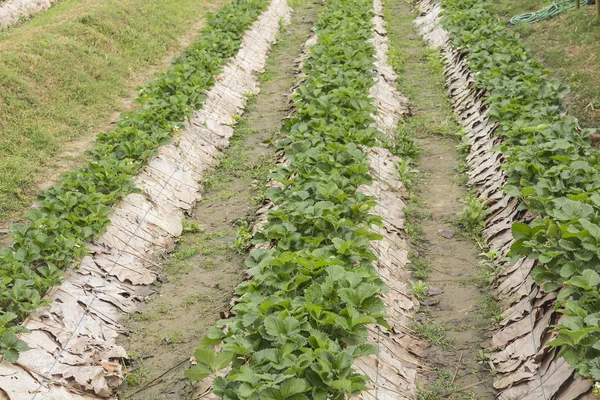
{"x": 525, "y": 366}
{"x": 551, "y": 168}
{"x": 78, "y": 208}
{"x": 73, "y": 341}
{"x": 301, "y": 320}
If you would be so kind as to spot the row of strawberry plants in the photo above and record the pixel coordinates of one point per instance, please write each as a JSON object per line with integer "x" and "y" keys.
{"x": 301, "y": 320}
{"x": 78, "y": 207}
{"x": 551, "y": 166}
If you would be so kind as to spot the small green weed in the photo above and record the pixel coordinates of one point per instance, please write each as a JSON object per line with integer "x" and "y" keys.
{"x": 137, "y": 375}
{"x": 213, "y": 248}
{"x": 463, "y": 146}
{"x": 191, "y": 226}
{"x": 442, "y": 388}
{"x": 415, "y": 214}
{"x": 404, "y": 144}
{"x": 433, "y": 333}
{"x": 209, "y": 265}
{"x": 471, "y": 217}
{"x": 172, "y": 267}
{"x": 176, "y": 337}
{"x": 414, "y": 230}
{"x": 419, "y": 289}
{"x": 408, "y": 174}
{"x": 415, "y": 210}
{"x": 434, "y": 61}
{"x": 489, "y": 266}
{"x": 396, "y": 58}
{"x": 418, "y": 265}
{"x": 461, "y": 169}
{"x": 243, "y": 239}
{"x": 266, "y": 76}
{"x": 223, "y": 195}
{"x": 483, "y": 357}
{"x": 185, "y": 253}
{"x": 144, "y": 316}
{"x": 489, "y": 308}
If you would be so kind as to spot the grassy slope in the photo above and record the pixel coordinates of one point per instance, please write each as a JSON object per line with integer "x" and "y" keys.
{"x": 63, "y": 74}
{"x": 569, "y": 46}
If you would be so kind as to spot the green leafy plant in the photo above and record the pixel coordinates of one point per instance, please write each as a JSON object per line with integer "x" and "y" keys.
{"x": 483, "y": 357}
{"x": 243, "y": 238}
{"x": 419, "y": 265}
{"x": 302, "y": 318}
{"x": 471, "y": 217}
{"x": 191, "y": 227}
{"x": 404, "y": 144}
{"x": 551, "y": 167}
{"x": 490, "y": 266}
{"x": 420, "y": 289}
{"x": 77, "y": 209}
{"x": 408, "y": 174}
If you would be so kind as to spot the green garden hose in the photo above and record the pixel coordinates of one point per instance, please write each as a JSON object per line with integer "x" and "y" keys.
{"x": 545, "y": 13}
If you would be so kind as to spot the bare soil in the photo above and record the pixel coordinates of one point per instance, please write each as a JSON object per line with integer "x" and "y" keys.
{"x": 453, "y": 263}
{"x": 454, "y": 313}
{"x": 202, "y": 273}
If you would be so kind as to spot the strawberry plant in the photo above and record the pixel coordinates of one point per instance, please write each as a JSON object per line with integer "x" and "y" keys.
{"x": 301, "y": 320}
{"x": 78, "y": 208}
{"x": 551, "y": 166}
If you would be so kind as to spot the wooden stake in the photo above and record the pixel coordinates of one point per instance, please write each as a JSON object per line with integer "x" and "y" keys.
{"x": 597, "y": 8}
{"x": 578, "y": 4}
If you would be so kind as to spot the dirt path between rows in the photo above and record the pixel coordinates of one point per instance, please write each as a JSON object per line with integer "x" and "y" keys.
{"x": 453, "y": 263}
{"x": 203, "y": 271}
{"x": 455, "y": 313}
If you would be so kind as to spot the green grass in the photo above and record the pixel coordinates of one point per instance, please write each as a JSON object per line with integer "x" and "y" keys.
{"x": 234, "y": 162}
{"x": 489, "y": 308}
{"x": 443, "y": 387}
{"x": 569, "y": 47}
{"x": 64, "y": 74}
{"x": 137, "y": 376}
{"x": 433, "y": 333}
{"x": 421, "y": 80}
{"x": 419, "y": 265}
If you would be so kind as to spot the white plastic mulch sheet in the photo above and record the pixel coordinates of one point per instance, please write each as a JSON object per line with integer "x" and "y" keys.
{"x": 393, "y": 371}
{"x": 11, "y": 11}
{"x": 73, "y": 353}
{"x": 390, "y": 104}
{"x": 526, "y": 368}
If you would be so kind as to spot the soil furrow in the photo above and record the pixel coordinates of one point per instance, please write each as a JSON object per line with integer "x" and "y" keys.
{"x": 206, "y": 266}
{"x": 454, "y": 315}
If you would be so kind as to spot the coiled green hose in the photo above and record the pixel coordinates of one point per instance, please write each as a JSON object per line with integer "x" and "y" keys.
{"x": 545, "y": 13}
